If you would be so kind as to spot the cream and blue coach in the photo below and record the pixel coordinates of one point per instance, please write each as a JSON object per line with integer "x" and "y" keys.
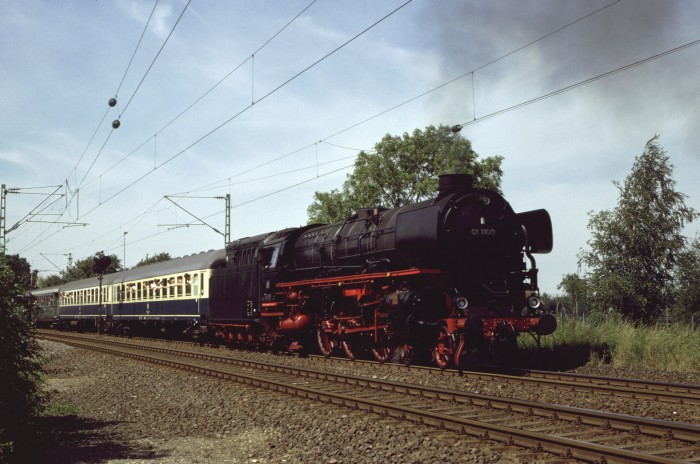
{"x": 167, "y": 296}
{"x": 46, "y": 299}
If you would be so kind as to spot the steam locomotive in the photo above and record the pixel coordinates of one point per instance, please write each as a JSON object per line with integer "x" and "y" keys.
{"x": 439, "y": 278}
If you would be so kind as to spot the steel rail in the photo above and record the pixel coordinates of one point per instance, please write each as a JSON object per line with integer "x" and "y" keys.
{"x": 673, "y": 393}
{"x": 685, "y": 394}
{"x": 560, "y": 445}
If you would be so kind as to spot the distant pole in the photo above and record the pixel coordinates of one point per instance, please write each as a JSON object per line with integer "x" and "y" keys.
{"x": 124, "y": 252}
{"x": 3, "y": 207}
{"x": 227, "y": 226}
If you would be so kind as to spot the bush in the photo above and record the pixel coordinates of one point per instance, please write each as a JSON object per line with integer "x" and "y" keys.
{"x": 623, "y": 344}
{"x": 20, "y": 368}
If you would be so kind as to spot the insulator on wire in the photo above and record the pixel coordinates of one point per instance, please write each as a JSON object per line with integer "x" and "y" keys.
{"x": 112, "y": 102}
{"x": 116, "y": 124}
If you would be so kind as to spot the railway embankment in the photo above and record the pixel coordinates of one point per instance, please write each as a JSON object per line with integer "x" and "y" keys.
{"x": 105, "y": 409}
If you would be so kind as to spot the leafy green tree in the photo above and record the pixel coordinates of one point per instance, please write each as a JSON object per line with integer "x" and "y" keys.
{"x": 156, "y": 258}
{"x": 82, "y": 269}
{"x": 20, "y": 369}
{"x": 687, "y": 280}
{"x": 575, "y": 289}
{"x": 634, "y": 246}
{"x": 405, "y": 169}
{"x": 21, "y": 269}
{"x": 52, "y": 280}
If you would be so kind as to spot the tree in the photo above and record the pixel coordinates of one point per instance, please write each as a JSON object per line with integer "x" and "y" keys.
{"x": 405, "y": 169}
{"x": 20, "y": 369}
{"x": 634, "y": 246}
{"x": 21, "y": 269}
{"x": 575, "y": 289}
{"x": 687, "y": 279}
{"x": 52, "y": 280}
{"x": 83, "y": 268}
{"x": 156, "y": 258}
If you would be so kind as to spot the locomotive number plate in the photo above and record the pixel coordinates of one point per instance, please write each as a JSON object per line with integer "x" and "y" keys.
{"x": 483, "y": 232}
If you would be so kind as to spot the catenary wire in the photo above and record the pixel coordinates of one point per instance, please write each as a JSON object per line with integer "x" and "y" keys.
{"x": 143, "y": 78}
{"x": 520, "y": 105}
{"x": 560, "y": 90}
{"x": 267, "y": 95}
{"x": 434, "y": 89}
{"x": 201, "y": 97}
{"x": 136, "y": 49}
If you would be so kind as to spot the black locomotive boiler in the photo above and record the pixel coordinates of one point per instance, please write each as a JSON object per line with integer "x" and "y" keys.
{"x": 444, "y": 277}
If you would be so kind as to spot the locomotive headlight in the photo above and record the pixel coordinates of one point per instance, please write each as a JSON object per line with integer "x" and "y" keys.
{"x": 534, "y": 302}
{"x": 461, "y": 303}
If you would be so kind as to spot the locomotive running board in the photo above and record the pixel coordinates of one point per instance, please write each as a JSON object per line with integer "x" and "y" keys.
{"x": 359, "y": 278}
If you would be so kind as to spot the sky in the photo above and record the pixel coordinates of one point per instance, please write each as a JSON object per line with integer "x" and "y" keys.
{"x": 270, "y": 101}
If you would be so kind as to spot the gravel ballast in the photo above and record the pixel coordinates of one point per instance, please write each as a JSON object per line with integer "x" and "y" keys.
{"x": 108, "y": 409}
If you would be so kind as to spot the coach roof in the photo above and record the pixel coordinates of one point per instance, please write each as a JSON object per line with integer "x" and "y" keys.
{"x": 190, "y": 263}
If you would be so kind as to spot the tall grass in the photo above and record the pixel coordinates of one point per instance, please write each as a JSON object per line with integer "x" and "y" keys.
{"x": 663, "y": 348}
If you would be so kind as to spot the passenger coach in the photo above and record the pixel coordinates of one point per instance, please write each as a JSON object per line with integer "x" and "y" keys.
{"x": 171, "y": 295}
{"x": 47, "y": 301}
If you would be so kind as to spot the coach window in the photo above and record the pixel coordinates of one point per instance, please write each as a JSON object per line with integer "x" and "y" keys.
{"x": 188, "y": 285}
{"x": 180, "y": 284}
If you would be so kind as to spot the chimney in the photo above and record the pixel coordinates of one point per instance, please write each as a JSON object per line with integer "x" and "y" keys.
{"x": 454, "y": 183}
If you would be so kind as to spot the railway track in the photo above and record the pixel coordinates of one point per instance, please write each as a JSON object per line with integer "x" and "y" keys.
{"x": 573, "y": 433}
{"x": 620, "y": 387}
{"x": 666, "y": 392}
